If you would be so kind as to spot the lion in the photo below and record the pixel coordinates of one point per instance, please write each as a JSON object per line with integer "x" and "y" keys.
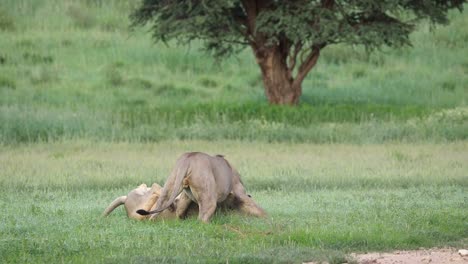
{"x": 141, "y": 197}
{"x": 207, "y": 181}
{"x": 145, "y": 197}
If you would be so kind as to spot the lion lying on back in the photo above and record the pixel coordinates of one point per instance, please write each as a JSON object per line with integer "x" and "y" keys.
{"x": 146, "y": 197}
{"x": 197, "y": 182}
{"x": 143, "y": 197}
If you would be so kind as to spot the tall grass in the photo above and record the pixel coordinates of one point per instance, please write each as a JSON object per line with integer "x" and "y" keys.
{"x": 80, "y": 58}
{"x": 235, "y": 122}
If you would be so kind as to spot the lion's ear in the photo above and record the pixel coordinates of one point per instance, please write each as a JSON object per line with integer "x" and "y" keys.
{"x": 143, "y": 185}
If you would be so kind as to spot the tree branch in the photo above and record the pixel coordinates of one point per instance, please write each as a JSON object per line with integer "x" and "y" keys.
{"x": 328, "y": 3}
{"x": 250, "y": 9}
{"x": 243, "y": 43}
{"x": 308, "y": 64}
{"x": 240, "y": 18}
{"x": 293, "y": 57}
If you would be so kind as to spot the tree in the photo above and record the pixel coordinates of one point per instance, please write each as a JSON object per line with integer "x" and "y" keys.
{"x": 286, "y": 37}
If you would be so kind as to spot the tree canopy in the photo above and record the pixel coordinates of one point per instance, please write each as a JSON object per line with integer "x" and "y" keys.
{"x": 287, "y": 36}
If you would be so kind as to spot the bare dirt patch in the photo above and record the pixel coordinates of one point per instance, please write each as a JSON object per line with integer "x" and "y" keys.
{"x": 433, "y": 256}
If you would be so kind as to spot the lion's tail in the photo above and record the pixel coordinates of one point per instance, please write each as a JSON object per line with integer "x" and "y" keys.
{"x": 172, "y": 188}
{"x": 116, "y": 203}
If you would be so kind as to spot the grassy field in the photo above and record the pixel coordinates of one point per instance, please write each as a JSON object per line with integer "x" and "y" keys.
{"x": 324, "y": 201}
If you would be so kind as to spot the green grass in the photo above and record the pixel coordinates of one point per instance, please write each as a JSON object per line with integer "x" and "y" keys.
{"x": 82, "y": 73}
{"x": 323, "y": 201}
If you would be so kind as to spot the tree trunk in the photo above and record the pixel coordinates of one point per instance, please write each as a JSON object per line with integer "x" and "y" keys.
{"x": 278, "y": 82}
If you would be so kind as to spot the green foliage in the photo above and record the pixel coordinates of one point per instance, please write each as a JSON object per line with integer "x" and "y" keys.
{"x": 35, "y": 58}
{"x": 223, "y": 25}
{"x": 213, "y": 21}
{"x": 6, "y": 82}
{"x": 7, "y": 23}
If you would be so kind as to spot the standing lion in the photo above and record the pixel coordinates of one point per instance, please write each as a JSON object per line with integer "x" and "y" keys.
{"x": 207, "y": 181}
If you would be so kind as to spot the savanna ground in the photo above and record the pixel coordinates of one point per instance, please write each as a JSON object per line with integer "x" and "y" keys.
{"x": 324, "y": 201}
{"x": 374, "y": 159}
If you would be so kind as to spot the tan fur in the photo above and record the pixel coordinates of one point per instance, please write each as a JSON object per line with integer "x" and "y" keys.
{"x": 141, "y": 197}
{"x": 207, "y": 181}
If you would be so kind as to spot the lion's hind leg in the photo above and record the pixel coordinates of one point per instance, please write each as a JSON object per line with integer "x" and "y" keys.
{"x": 207, "y": 207}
